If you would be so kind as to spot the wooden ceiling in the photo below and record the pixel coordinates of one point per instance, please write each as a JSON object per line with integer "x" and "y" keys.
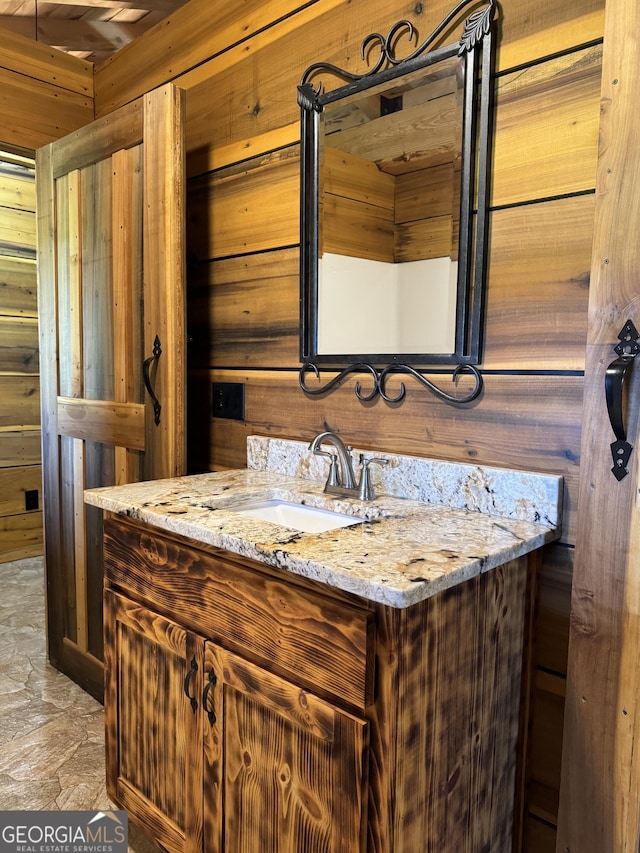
{"x": 89, "y": 29}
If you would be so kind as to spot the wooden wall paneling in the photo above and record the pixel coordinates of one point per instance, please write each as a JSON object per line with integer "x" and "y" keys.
{"x": 251, "y": 209}
{"x": 245, "y": 311}
{"x": 20, "y": 471}
{"x": 18, "y": 344}
{"x": 538, "y": 285}
{"x": 554, "y": 602}
{"x": 19, "y": 400}
{"x": 18, "y": 286}
{"x": 228, "y": 449}
{"x": 546, "y": 129}
{"x": 40, "y": 62}
{"x": 17, "y": 231}
{"x": 265, "y": 78}
{"x": 538, "y": 30}
{"x": 19, "y": 443}
{"x": 600, "y": 788}
{"x": 265, "y": 86}
{"x": 160, "y": 55}
{"x": 14, "y": 482}
{"x": 20, "y": 536}
{"x": 185, "y": 39}
{"x": 546, "y": 747}
{"x": 40, "y": 112}
{"x": 17, "y": 187}
{"x": 539, "y": 836}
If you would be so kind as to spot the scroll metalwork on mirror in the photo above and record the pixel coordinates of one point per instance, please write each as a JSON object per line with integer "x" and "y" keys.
{"x": 394, "y": 209}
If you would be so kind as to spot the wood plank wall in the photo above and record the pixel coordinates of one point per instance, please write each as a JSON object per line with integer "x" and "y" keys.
{"x": 240, "y": 64}
{"x": 45, "y": 94}
{"x": 20, "y": 470}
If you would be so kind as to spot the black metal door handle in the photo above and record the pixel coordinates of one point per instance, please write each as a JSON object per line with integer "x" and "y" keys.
{"x": 146, "y": 375}
{"x": 193, "y": 668}
{"x": 614, "y": 381}
{"x": 211, "y": 714}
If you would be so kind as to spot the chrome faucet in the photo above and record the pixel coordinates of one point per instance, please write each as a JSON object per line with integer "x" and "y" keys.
{"x": 343, "y": 481}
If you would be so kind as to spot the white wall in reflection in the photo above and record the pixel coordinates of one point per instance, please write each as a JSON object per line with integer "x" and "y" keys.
{"x": 373, "y": 307}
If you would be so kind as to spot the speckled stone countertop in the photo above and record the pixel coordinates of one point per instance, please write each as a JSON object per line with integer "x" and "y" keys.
{"x": 434, "y": 524}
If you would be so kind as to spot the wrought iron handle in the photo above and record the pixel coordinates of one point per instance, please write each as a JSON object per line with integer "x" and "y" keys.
{"x": 193, "y": 668}
{"x": 146, "y": 375}
{"x": 205, "y": 696}
{"x": 614, "y": 380}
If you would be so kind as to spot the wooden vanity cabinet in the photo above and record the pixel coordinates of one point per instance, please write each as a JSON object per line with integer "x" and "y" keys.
{"x": 251, "y": 710}
{"x": 207, "y": 748}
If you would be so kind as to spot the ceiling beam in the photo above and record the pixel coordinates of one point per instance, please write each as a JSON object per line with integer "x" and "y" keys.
{"x": 143, "y": 5}
{"x": 74, "y": 35}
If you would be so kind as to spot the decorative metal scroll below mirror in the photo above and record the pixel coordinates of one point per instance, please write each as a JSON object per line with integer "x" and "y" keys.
{"x": 394, "y": 195}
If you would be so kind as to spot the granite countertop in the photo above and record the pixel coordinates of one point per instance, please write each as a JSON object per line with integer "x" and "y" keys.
{"x": 402, "y": 552}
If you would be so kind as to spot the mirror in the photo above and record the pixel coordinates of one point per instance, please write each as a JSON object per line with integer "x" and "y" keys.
{"x": 394, "y": 184}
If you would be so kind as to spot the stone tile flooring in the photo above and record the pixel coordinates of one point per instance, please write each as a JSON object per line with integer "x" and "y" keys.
{"x": 51, "y": 731}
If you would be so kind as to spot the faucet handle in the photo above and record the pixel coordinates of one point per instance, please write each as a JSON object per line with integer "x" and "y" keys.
{"x": 332, "y": 479}
{"x": 367, "y": 492}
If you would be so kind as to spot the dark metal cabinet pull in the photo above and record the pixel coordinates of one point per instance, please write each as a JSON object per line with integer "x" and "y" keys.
{"x": 205, "y": 696}
{"x": 193, "y": 668}
{"x": 146, "y": 374}
{"x": 614, "y": 381}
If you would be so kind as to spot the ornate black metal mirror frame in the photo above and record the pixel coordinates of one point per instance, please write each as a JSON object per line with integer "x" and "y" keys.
{"x": 475, "y": 48}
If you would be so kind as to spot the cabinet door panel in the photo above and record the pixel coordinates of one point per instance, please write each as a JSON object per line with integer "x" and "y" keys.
{"x": 292, "y": 766}
{"x": 153, "y": 733}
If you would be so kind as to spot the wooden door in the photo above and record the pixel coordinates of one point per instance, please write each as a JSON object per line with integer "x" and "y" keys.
{"x": 285, "y": 771}
{"x": 111, "y": 306}
{"x": 153, "y": 687}
{"x": 600, "y": 781}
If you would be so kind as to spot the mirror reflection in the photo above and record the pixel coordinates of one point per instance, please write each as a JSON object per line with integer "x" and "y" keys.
{"x": 389, "y": 215}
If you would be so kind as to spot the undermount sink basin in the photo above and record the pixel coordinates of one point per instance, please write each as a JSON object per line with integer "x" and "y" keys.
{"x": 306, "y": 519}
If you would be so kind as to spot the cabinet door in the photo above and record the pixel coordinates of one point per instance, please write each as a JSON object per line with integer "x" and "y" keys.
{"x": 285, "y": 771}
{"x": 153, "y": 717}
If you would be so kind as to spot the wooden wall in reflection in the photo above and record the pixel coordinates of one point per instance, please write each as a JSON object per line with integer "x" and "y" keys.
{"x": 240, "y": 66}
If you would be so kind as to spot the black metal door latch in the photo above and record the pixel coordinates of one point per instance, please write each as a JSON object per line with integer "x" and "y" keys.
{"x": 627, "y": 349}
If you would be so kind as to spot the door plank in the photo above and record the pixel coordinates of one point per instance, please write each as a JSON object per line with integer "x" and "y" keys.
{"x": 82, "y": 633}
{"x": 127, "y": 290}
{"x": 164, "y": 264}
{"x": 121, "y": 424}
{"x": 600, "y": 779}
{"x": 95, "y": 142}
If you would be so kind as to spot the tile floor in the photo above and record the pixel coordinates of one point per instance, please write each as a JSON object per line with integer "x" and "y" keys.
{"x": 51, "y": 731}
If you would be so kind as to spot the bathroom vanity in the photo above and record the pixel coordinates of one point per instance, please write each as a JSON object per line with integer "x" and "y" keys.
{"x": 358, "y": 689}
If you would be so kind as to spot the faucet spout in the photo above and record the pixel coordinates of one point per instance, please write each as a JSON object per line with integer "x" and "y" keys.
{"x": 347, "y": 478}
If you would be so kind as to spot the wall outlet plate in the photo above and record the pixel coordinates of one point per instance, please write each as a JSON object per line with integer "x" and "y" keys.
{"x": 31, "y": 500}
{"x": 228, "y": 400}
